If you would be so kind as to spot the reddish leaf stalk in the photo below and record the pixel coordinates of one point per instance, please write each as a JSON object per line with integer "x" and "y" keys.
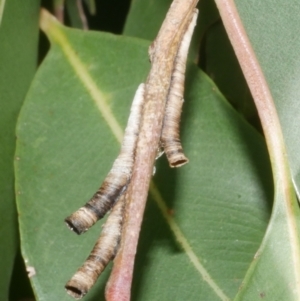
{"x": 163, "y": 52}
{"x": 269, "y": 120}
{"x": 256, "y": 82}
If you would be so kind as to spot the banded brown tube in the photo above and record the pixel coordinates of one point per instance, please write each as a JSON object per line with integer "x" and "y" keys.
{"x": 170, "y": 139}
{"x": 117, "y": 179}
{"x": 102, "y": 253}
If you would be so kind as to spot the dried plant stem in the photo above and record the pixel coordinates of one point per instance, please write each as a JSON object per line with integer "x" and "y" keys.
{"x": 170, "y": 138}
{"x": 157, "y": 86}
{"x": 102, "y": 253}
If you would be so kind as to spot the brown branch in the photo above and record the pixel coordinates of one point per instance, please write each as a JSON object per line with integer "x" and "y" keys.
{"x": 163, "y": 53}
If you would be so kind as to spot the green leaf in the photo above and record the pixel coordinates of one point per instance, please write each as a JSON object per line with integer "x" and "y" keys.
{"x": 18, "y": 53}
{"x": 222, "y": 66}
{"x": 217, "y": 207}
{"x": 275, "y": 271}
{"x": 145, "y": 18}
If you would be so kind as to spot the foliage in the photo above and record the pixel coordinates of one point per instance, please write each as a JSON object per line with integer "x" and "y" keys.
{"x": 204, "y": 222}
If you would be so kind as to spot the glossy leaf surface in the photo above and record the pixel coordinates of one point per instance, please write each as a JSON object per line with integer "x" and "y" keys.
{"x": 222, "y": 66}
{"x": 218, "y": 205}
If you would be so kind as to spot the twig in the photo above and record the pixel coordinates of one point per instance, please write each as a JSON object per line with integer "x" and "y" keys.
{"x": 163, "y": 54}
